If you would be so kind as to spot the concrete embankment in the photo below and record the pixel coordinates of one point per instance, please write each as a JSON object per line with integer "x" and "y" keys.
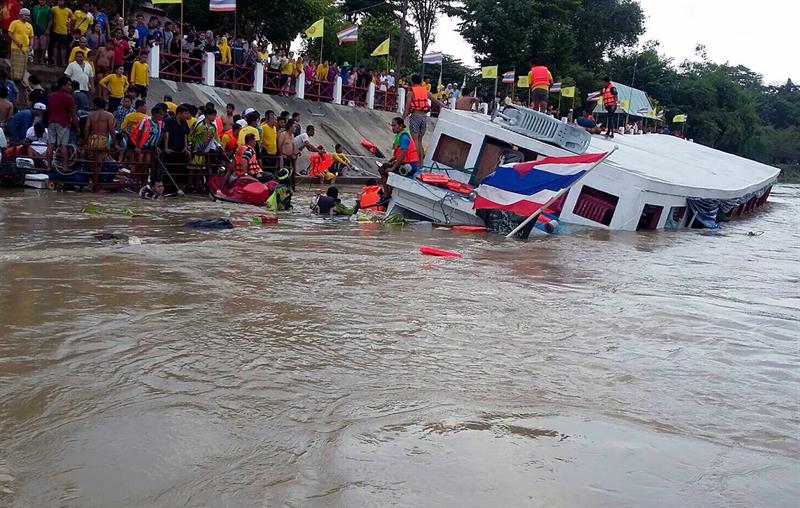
{"x": 334, "y": 123}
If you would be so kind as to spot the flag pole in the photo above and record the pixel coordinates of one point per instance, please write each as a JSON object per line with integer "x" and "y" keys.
{"x": 441, "y": 66}
{"x": 180, "y": 46}
{"x": 558, "y": 195}
{"x": 559, "y": 102}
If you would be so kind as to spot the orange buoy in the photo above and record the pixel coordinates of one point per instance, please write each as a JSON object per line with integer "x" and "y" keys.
{"x": 432, "y": 251}
{"x": 470, "y": 229}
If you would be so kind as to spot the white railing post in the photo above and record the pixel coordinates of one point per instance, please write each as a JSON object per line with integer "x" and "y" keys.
{"x": 258, "y": 78}
{"x": 401, "y": 100}
{"x": 371, "y": 96}
{"x": 154, "y": 61}
{"x": 337, "y": 91}
{"x": 209, "y": 69}
{"x": 300, "y": 89}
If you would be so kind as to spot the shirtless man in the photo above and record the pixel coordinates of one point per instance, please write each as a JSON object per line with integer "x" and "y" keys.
{"x": 465, "y": 102}
{"x": 99, "y": 126}
{"x": 227, "y": 118}
{"x": 103, "y": 60}
{"x": 285, "y": 145}
{"x": 6, "y": 108}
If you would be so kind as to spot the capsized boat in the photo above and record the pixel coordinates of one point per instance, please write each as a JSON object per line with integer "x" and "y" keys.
{"x": 652, "y": 181}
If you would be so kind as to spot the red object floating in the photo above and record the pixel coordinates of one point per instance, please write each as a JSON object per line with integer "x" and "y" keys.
{"x": 470, "y": 229}
{"x": 432, "y": 251}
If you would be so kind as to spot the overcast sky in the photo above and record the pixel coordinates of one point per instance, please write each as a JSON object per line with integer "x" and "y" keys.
{"x": 760, "y": 35}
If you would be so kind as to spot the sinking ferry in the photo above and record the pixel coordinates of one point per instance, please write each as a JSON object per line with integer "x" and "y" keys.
{"x": 652, "y": 181}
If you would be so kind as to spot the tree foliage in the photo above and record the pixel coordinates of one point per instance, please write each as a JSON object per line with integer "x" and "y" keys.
{"x": 425, "y": 14}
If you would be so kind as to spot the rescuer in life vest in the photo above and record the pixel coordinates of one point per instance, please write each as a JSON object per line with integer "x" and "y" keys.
{"x": 540, "y": 80}
{"x": 610, "y": 100}
{"x": 245, "y": 161}
{"x": 405, "y": 159}
{"x": 417, "y": 109}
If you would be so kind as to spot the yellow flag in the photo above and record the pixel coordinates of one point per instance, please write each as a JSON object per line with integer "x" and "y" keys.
{"x": 679, "y": 119}
{"x": 382, "y": 49}
{"x": 568, "y": 91}
{"x": 652, "y": 113}
{"x": 489, "y": 72}
{"x": 522, "y": 82}
{"x": 625, "y": 104}
{"x": 316, "y": 30}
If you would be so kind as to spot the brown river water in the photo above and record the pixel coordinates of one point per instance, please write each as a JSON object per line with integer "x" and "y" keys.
{"x": 318, "y": 363}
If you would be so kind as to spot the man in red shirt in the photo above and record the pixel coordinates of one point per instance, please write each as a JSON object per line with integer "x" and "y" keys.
{"x": 62, "y": 114}
{"x": 121, "y": 48}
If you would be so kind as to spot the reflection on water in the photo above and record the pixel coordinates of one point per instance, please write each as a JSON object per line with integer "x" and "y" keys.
{"x": 320, "y": 363}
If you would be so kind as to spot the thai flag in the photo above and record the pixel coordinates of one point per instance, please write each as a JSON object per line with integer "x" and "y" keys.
{"x": 593, "y": 96}
{"x": 526, "y": 187}
{"x": 221, "y": 5}
{"x": 349, "y": 34}
{"x": 555, "y": 87}
{"x": 432, "y": 59}
{"x": 508, "y": 77}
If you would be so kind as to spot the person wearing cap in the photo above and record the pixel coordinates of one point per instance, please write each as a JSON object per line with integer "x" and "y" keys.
{"x": 23, "y": 120}
{"x": 20, "y": 31}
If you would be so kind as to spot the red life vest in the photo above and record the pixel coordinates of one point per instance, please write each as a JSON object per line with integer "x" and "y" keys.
{"x": 608, "y": 97}
{"x": 540, "y": 75}
{"x": 230, "y": 145}
{"x": 419, "y": 98}
{"x": 411, "y": 153}
{"x": 370, "y": 194}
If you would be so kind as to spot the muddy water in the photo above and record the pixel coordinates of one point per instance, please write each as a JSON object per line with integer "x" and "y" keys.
{"x": 313, "y": 363}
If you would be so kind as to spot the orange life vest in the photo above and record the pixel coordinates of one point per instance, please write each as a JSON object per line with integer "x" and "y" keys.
{"x": 419, "y": 98}
{"x": 218, "y": 123}
{"x": 241, "y": 153}
{"x": 540, "y": 75}
{"x": 411, "y": 153}
{"x": 608, "y": 97}
{"x": 370, "y": 194}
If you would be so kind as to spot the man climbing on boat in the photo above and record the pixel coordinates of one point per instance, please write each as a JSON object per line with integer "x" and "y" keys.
{"x": 405, "y": 158}
{"x": 417, "y": 109}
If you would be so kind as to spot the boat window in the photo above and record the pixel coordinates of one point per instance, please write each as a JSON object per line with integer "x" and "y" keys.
{"x": 651, "y": 214}
{"x": 677, "y": 214}
{"x": 451, "y": 152}
{"x": 596, "y": 205}
{"x": 491, "y": 152}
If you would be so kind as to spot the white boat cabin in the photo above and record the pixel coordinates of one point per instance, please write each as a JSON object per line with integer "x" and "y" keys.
{"x": 645, "y": 184}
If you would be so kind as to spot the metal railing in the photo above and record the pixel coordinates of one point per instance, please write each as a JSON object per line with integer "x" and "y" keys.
{"x": 320, "y": 91}
{"x": 354, "y": 94}
{"x": 386, "y": 101}
{"x": 237, "y": 77}
{"x": 278, "y": 83}
{"x": 171, "y": 68}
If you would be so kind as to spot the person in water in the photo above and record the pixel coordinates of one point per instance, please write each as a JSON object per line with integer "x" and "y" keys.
{"x": 154, "y": 191}
{"x": 330, "y": 204}
{"x": 281, "y": 197}
{"x": 371, "y": 195}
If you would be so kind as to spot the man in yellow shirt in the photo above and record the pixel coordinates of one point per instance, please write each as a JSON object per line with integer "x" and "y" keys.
{"x": 117, "y": 85}
{"x": 171, "y": 106}
{"x": 60, "y": 29}
{"x": 140, "y": 75}
{"x": 132, "y": 119}
{"x": 20, "y": 31}
{"x": 83, "y": 19}
{"x": 250, "y": 128}
{"x": 269, "y": 141}
{"x": 83, "y": 48}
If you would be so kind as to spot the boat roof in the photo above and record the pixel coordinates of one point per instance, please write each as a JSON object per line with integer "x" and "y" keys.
{"x": 675, "y": 161}
{"x": 674, "y": 165}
